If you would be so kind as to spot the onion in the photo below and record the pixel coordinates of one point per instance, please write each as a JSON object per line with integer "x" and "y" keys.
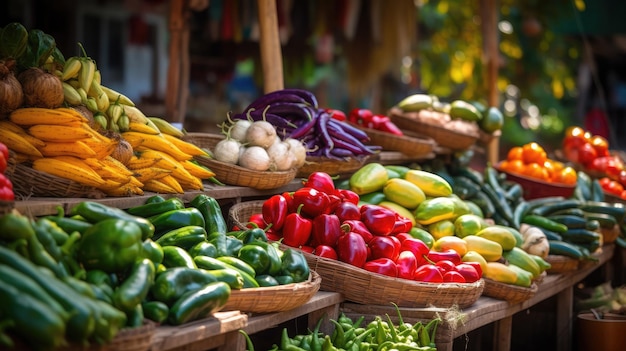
{"x": 281, "y": 159}
{"x": 41, "y": 89}
{"x": 238, "y": 130}
{"x": 261, "y": 133}
{"x": 255, "y": 158}
{"x": 11, "y": 94}
{"x": 123, "y": 151}
{"x": 227, "y": 150}
{"x": 297, "y": 151}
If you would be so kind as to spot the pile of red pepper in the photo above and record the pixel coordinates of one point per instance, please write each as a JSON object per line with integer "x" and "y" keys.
{"x": 367, "y": 119}
{"x": 329, "y": 222}
{"x": 6, "y": 187}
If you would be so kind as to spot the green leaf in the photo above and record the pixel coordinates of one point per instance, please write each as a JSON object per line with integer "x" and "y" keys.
{"x": 13, "y": 40}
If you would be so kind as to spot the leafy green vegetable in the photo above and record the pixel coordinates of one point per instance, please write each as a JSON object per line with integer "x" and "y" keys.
{"x": 13, "y": 40}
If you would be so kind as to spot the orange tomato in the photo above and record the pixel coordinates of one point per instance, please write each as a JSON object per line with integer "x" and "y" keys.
{"x": 567, "y": 175}
{"x": 515, "y": 153}
{"x": 514, "y": 166}
{"x": 536, "y": 170}
{"x": 533, "y": 153}
{"x": 600, "y": 144}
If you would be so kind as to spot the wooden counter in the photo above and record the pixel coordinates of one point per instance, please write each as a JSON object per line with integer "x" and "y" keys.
{"x": 487, "y": 310}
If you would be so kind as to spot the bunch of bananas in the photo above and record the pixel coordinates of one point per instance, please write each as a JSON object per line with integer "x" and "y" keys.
{"x": 62, "y": 143}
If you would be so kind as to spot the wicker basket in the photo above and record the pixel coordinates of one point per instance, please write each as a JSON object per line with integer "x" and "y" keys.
{"x": 29, "y": 182}
{"x": 236, "y": 175}
{"x": 360, "y": 286}
{"x": 446, "y": 137}
{"x": 330, "y": 166}
{"x": 239, "y": 213}
{"x": 274, "y": 299}
{"x": 535, "y": 188}
{"x": 511, "y": 293}
{"x": 411, "y": 144}
{"x": 561, "y": 264}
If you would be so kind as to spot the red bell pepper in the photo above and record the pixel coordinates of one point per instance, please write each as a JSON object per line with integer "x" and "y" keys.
{"x": 356, "y": 226}
{"x": 383, "y": 266}
{"x": 445, "y": 265}
{"x": 375, "y": 122}
{"x": 351, "y": 249}
{"x": 289, "y": 197}
{"x": 326, "y": 230}
{"x": 428, "y": 273}
{"x": 347, "y": 210}
{"x": 360, "y": 115}
{"x": 336, "y": 114}
{"x": 407, "y": 264}
{"x": 448, "y": 254}
{"x": 321, "y": 181}
{"x": 386, "y": 125}
{"x": 273, "y": 235}
{"x": 379, "y": 220}
{"x": 307, "y": 249}
{"x": 349, "y": 196}
{"x": 313, "y": 201}
{"x": 333, "y": 202}
{"x": 453, "y": 277}
{"x": 417, "y": 247}
{"x": 6, "y": 189}
{"x": 402, "y": 225}
{"x": 469, "y": 271}
{"x": 275, "y": 210}
{"x": 384, "y": 246}
{"x": 256, "y": 220}
{"x": 297, "y": 229}
{"x": 325, "y": 251}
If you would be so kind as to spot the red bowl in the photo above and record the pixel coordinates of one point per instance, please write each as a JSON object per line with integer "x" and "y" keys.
{"x": 535, "y": 188}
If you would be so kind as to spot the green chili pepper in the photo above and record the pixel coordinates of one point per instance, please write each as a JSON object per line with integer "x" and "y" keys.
{"x": 174, "y": 282}
{"x": 174, "y": 256}
{"x": 155, "y": 208}
{"x": 95, "y": 212}
{"x": 212, "y": 213}
{"x": 204, "y": 248}
{"x": 174, "y": 219}
{"x": 135, "y": 286}
{"x": 152, "y": 250}
{"x": 15, "y": 226}
{"x": 184, "y": 237}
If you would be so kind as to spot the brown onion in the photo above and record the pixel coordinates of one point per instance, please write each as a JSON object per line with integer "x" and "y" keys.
{"x": 11, "y": 94}
{"x": 123, "y": 151}
{"x": 41, "y": 89}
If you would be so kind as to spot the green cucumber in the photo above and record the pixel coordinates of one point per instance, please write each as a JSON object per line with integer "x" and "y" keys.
{"x": 544, "y": 222}
{"x": 562, "y": 248}
{"x": 606, "y": 220}
{"x": 580, "y": 236}
{"x": 548, "y": 209}
{"x": 570, "y": 221}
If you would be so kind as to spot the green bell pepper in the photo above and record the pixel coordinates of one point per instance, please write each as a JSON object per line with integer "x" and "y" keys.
{"x": 135, "y": 286}
{"x": 183, "y": 237}
{"x": 156, "y": 208}
{"x": 15, "y": 226}
{"x": 212, "y": 213}
{"x": 111, "y": 245}
{"x": 174, "y": 282}
{"x": 174, "y": 256}
{"x": 226, "y": 245}
{"x": 155, "y": 311}
{"x": 199, "y": 303}
{"x": 256, "y": 257}
{"x": 175, "y": 219}
{"x": 204, "y": 248}
{"x": 294, "y": 264}
{"x": 274, "y": 254}
{"x": 153, "y": 251}
{"x": 95, "y": 212}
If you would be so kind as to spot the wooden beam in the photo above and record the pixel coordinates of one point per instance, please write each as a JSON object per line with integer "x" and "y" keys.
{"x": 489, "y": 15}
{"x": 271, "y": 55}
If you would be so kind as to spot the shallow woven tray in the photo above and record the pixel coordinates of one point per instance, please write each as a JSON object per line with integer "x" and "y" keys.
{"x": 445, "y": 137}
{"x": 561, "y": 264}
{"x": 29, "y": 182}
{"x": 239, "y": 213}
{"x": 236, "y": 175}
{"x": 330, "y": 166}
{"x": 535, "y": 188}
{"x": 274, "y": 299}
{"x": 411, "y": 144}
{"x": 360, "y": 286}
{"x": 509, "y": 292}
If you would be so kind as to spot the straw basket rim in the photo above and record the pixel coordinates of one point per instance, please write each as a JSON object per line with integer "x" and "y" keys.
{"x": 509, "y": 292}
{"x": 331, "y": 166}
{"x": 239, "y": 213}
{"x": 410, "y": 143}
{"x": 446, "y": 137}
{"x": 126, "y": 339}
{"x": 274, "y": 299}
{"x": 561, "y": 264}
{"x": 234, "y": 174}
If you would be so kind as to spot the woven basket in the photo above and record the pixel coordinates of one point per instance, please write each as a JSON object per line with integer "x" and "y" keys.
{"x": 446, "y": 137}
{"x": 330, "y": 166}
{"x": 6, "y": 207}
{"x": 274, "y": 299}
{"x": 561, "y": 264}
{"x": 360, "y": 286}
{"x": 535, "y": 188}
{"x": 239, "y": 213}
{"x": 233, "y": 174}
{"x": 29, "y": 182}
{"x": 509, "y": 292}
{"x": 411, "y": 144}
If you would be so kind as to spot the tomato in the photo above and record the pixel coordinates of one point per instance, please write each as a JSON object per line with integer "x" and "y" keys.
{"x": 586, "y": 154}
{"x": 533, "y": 153}
{"x": 621, "y": 177}
{"x": 576, "y": 136}
{"x": 600, "y": 144}
{"x": 567, "y": 175}
{"x": 536, "y": 170}
{"x": 515, "y": 153}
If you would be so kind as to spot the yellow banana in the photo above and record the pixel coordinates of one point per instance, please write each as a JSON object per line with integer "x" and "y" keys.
{"x": 168, "y": 162}
{"x": 135, "y": 115}
{"x": 185, "y": 146}
{"x": 123, "y": 190}
{"x": 29, "y": 116}
{"x": 70, "y": 94}
{"x": 141, "y": 128}
{"x": 17, "y": 143}
{"x": 171, "y": 181}
{"x": 78, "y": 163}
{"x": 145, "y": 174}
{"x": 74, "y": 112}
{"x": 143, "y": 162}
{"x": 115, "y": 96}
{"x": 192, "y": 183}
{"x": 67, "y": 170}
{"x": 159, "y": 187}
{"x": 111, "y": 162}
{"x": 75, "y": 148}
{"x": 197, "y": 170}
{"x": 156, "y": 142}
{"x": 8, "y": 125}
{"x": 166, "y": 127}
{"x": 71, "y": 68}
{"x": 54, "y": 133}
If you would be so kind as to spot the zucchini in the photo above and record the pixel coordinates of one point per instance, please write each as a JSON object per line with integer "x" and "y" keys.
{"x": 570, "y": 221}
{"x": 550, "y": 235}
{"x": 575, "y": 211}
{"x": 544, "y": 222}
{"x": 562, "y": 248}
{"x": 605, "y": 220}
{"x": 580, "y": 236}
{"x": 617, "y": 210}
{"x": 549, "y": 209}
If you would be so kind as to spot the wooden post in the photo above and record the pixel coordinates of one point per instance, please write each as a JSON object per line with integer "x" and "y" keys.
{"x": 489, "y": 14}
{"x": 178, "y": 63}
{"x": 271, "y": 55}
